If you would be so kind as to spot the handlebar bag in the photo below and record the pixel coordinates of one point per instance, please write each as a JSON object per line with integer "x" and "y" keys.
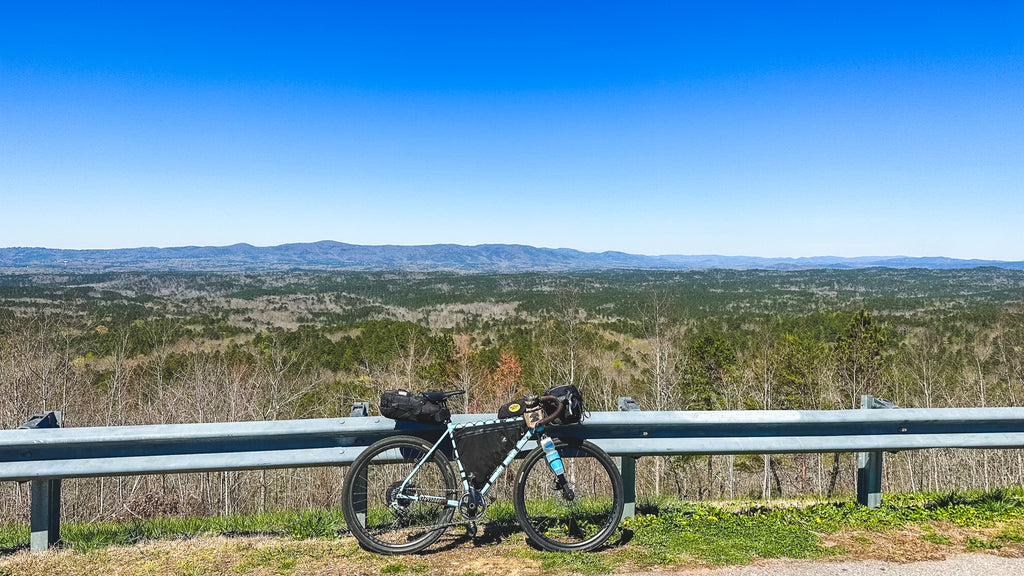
{"x": 573, "y": 410}
{"x": 518, "y": 407}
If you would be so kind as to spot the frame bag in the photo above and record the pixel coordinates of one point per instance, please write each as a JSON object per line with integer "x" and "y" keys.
{"x": 482, "y": 448}
{"x": 407, "y": 407}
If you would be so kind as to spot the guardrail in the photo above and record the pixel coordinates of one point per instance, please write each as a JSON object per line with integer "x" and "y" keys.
{"x": 47, "y": 455}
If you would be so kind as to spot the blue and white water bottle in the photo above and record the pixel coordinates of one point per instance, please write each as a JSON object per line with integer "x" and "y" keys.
{"x": 554, "y": 460}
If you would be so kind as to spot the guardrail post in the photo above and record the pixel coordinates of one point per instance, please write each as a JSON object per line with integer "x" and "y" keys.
{"x": 360, "y": 410}
{"x": 45, "y": 513}
{"x": 869, "y": 464}
{"x": 627, "y": 465}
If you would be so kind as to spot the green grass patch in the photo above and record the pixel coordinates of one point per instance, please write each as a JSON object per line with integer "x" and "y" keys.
{"x": 930, "y": 535}
{"x": 721, "y": 537}
{"x": 675, "y": 530}
{"x": 14, "y": 535}
{"x": 1011, "y": 533}
{"x": 280, "y": 559}
{"x": 577, "y": 562}
{"x": 977, "y": 544}
{"x": 93, "y": 535}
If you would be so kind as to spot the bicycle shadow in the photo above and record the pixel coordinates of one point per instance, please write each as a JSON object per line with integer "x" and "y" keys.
{"x": 495, "y": 533}
{"x": 11, "y": 550}
{"x": 625, "y": 535}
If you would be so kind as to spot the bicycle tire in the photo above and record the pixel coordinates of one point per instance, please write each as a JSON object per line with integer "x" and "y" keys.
{"x": 375, "y": 512}
{"x": 551, "y": 520}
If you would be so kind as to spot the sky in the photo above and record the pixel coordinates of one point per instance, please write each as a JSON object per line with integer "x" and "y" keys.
{"x": 762, "y": 129}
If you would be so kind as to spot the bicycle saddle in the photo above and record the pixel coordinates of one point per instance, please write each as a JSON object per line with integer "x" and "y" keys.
{"x": 436, "y": 396}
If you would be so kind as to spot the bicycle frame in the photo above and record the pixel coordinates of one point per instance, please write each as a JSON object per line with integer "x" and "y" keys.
{"x": 466, "y": 487}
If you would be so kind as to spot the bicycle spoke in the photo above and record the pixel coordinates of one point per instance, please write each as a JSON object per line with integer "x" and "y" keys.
{"x": 580, "y": 518}
{"x": 381, "y": 499}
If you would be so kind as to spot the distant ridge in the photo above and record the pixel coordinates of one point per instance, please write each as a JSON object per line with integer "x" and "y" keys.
{"x": 330, "y": 255}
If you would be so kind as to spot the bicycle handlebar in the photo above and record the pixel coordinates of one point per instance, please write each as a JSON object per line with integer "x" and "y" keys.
{"x": 554, "y": 414}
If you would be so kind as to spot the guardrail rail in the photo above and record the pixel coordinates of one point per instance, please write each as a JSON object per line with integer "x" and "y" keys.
{"x": 44, "y": 453}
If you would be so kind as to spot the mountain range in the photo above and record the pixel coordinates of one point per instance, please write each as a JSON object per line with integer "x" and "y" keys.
{"x": 330, "y": 255}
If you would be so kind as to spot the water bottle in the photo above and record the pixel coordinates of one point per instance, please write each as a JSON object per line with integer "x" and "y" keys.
{"x": 554, "y": 460}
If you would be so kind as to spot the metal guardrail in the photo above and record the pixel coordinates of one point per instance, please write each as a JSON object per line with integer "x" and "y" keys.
{"x": 44, "y": 456}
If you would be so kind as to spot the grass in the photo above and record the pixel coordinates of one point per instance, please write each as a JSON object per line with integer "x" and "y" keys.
{"x": 716, "y": 536}
{"x": 665, "y": 532}
{"x": 94, "y": 535}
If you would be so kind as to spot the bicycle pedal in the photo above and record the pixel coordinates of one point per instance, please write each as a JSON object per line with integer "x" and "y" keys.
{"x": 471, "y": 529}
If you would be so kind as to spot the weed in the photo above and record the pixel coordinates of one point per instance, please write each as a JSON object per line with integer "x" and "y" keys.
{"x": 862, "y": 540}
{"x": 936, "y": 538}
{"x": 975, "y": 544}
{"x": 281, "y": 559}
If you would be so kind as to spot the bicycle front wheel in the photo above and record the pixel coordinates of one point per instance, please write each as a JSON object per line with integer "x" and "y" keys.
{"x": 386, "y": 517}
{"x": 575, "y": 520}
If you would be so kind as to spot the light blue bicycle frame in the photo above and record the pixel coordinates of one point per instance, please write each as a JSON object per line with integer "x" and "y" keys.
{"x": 449, "y": 433}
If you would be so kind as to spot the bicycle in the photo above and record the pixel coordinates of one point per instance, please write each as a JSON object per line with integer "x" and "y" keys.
{"x": 401, "y": 493}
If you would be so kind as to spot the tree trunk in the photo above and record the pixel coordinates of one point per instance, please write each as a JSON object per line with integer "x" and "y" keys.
{"x": 833, "y": 476}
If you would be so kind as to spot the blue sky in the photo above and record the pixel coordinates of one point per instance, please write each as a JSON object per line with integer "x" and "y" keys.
{"x": 764, "y": 129}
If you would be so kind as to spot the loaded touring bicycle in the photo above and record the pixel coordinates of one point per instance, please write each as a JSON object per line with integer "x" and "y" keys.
{"x": 402, "y": 493}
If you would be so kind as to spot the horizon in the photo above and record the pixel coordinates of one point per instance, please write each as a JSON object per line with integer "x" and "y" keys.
{"x": 660, "y": 129}
{"x": 260, "y": 246}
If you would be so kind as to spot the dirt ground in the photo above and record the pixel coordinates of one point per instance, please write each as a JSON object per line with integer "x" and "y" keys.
{"x": 898, "y": 552}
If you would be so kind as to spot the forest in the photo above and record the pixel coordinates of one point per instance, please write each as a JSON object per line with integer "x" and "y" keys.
{"x": 146, "y": 348}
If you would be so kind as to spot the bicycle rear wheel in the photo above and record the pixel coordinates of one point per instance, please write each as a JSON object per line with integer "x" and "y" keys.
{"x": 569, "y": 522}
{"x": 382, "y": 515}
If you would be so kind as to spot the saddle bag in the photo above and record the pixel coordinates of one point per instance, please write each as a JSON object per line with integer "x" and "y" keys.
{"x": 407, "y": 407}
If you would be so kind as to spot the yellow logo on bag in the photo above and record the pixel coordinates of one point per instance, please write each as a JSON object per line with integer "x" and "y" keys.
{"x": 514, "y": 408}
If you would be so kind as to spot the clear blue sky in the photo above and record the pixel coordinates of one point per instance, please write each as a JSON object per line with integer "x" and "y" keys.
{"x": 761, "y": 128}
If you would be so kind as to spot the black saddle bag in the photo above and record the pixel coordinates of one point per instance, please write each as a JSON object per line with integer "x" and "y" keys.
{"x": 407, "y": 407}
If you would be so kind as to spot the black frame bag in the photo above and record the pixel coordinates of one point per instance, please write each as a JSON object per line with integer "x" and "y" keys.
{"x": 405, "y": 406}
{"x": 482, "y": 448}
{"x": 573, "y": 410}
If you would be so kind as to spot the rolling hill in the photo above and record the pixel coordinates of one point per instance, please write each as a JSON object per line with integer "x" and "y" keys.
{"x": 330, "y": 255}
